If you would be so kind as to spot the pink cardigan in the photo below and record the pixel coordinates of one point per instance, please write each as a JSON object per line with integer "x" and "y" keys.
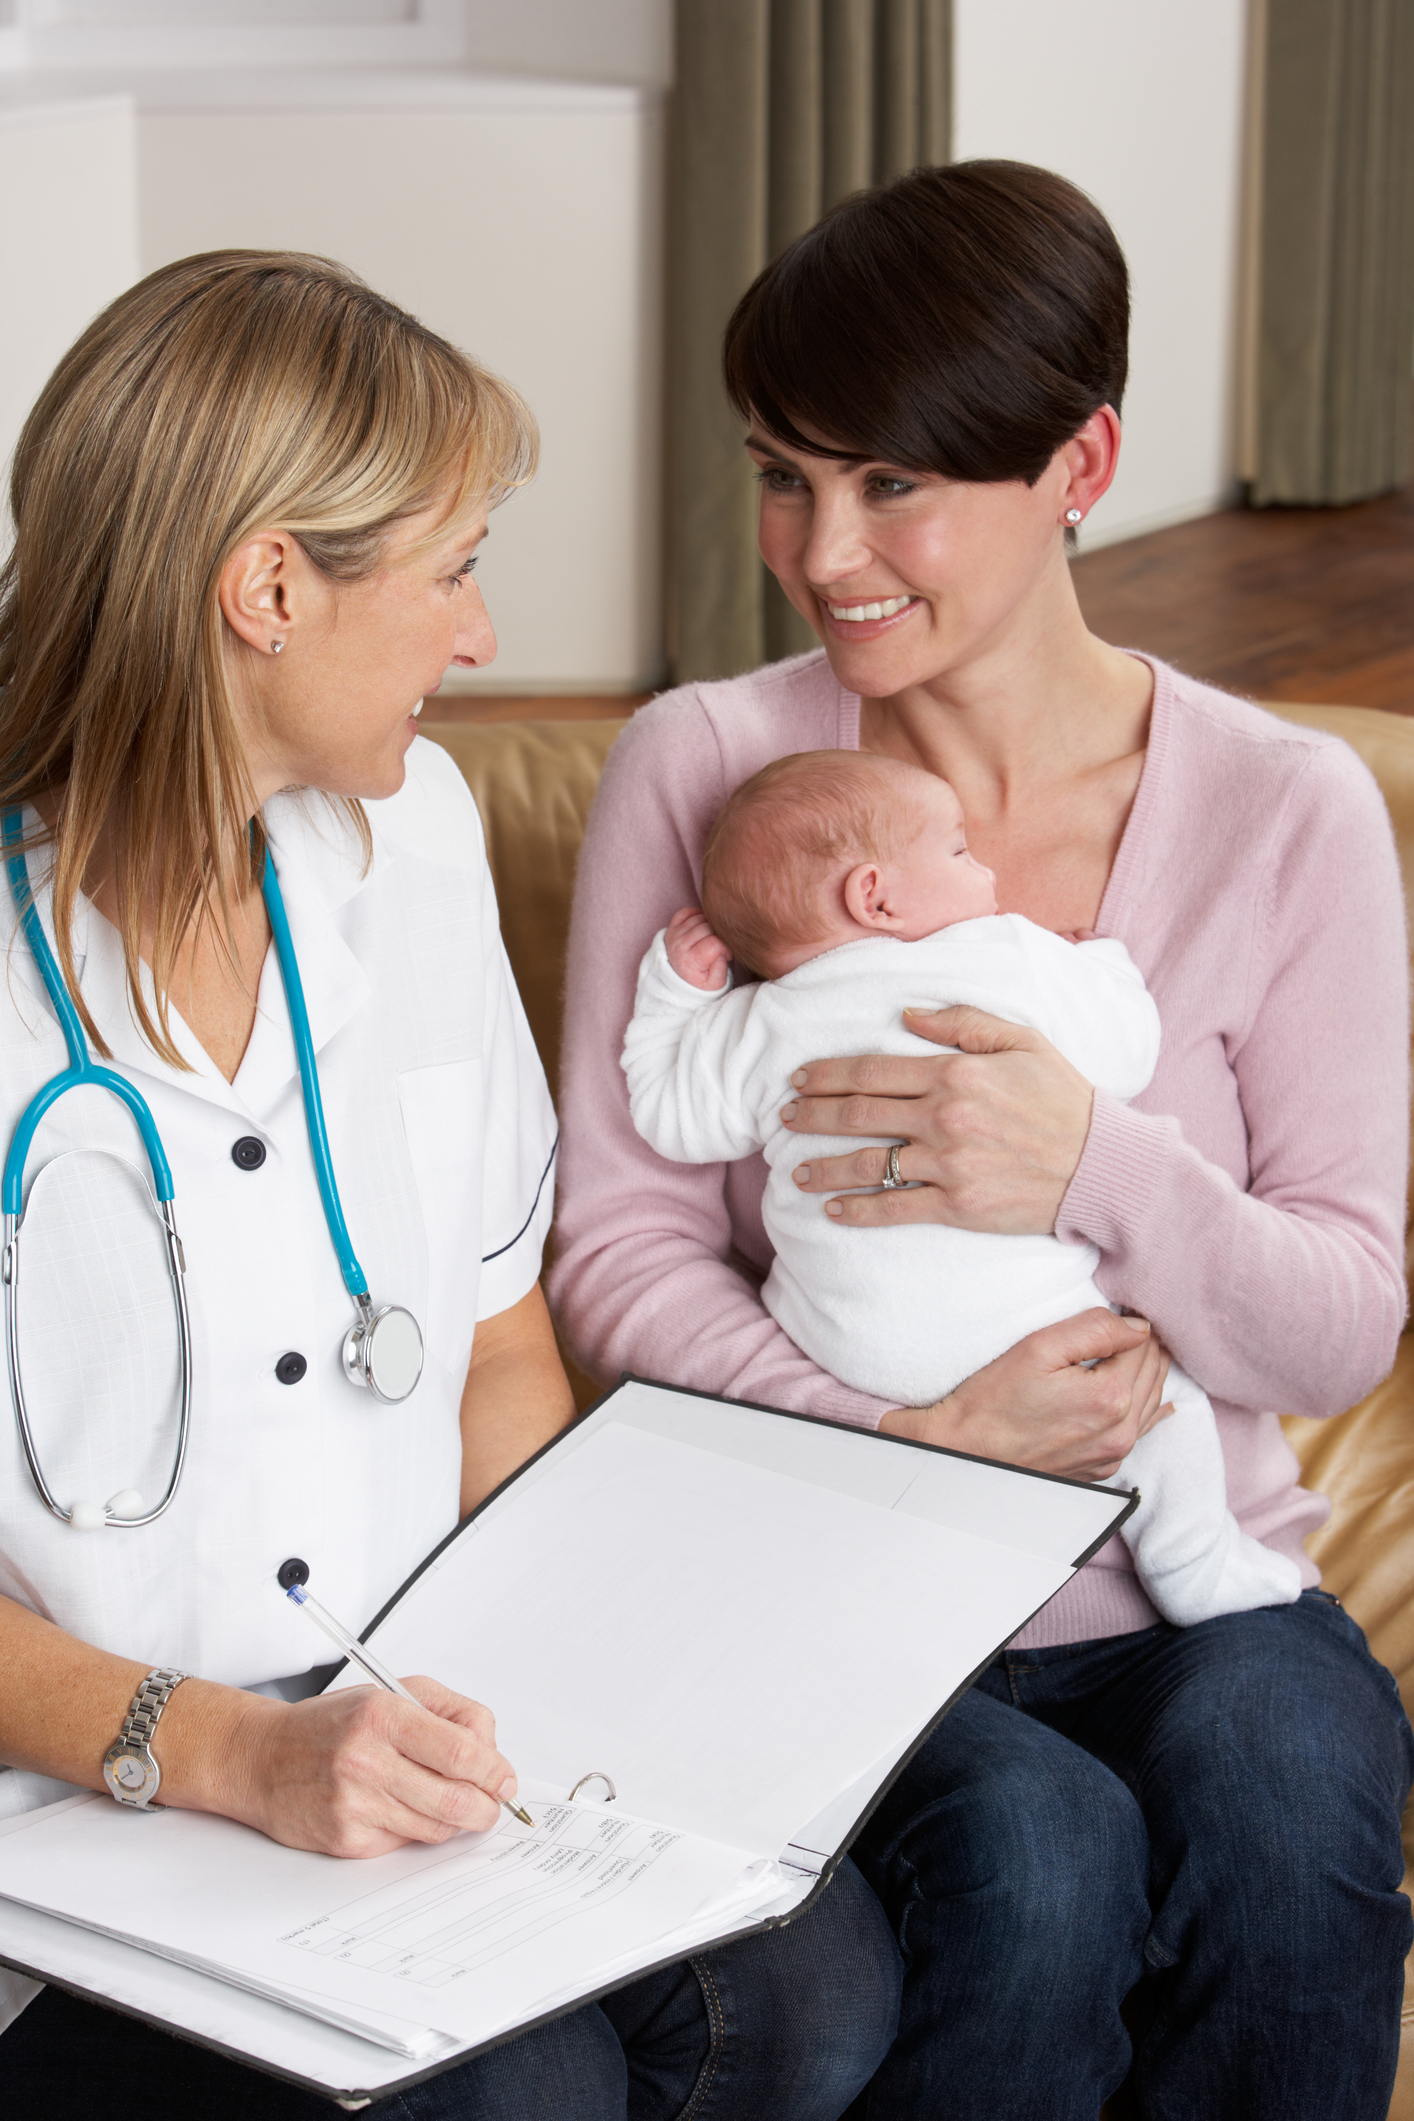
{"x": 1251, "y": 1202}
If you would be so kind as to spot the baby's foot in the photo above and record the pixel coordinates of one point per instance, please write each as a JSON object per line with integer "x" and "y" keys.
{"x": 1231, "y": 1572}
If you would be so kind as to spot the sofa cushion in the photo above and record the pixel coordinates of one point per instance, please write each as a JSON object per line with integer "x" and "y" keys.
{"x": 533, "y": 783}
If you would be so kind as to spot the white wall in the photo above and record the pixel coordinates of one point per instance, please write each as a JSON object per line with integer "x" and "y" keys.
{"x": 1142, "y": 106}
{"x": 575, "y": 40}
{"x": 68, "y": 239}
{"x": 521, "y": 220}
{"x": 524, "y": 221}
{"x": 528, "y": 234}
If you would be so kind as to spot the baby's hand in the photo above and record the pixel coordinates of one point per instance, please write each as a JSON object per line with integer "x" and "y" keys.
{"x": 694, "y": 952}
{"x": 1079, "y": 935}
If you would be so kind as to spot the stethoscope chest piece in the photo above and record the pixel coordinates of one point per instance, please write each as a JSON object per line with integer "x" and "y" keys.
{"x": 383, "y": 1350}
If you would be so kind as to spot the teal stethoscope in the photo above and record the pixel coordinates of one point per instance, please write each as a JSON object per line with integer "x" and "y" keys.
{"x": 382, "y": 1350}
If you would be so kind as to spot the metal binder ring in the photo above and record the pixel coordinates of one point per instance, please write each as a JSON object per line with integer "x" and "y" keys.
{"x": 892, "y": 1174}
{"x": 594, "y": 1776}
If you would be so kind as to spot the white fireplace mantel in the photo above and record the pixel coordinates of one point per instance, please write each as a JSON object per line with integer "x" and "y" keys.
{"x": 193, "y": 34}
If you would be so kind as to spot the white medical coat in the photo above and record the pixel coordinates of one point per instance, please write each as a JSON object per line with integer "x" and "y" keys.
{"x": 443, "y": 1138}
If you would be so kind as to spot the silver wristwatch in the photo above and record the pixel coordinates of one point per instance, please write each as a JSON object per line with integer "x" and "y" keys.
{"x": 131, "y": 1773}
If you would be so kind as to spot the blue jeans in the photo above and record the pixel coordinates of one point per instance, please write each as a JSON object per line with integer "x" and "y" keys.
{"x": 788, "y": 2024}
{"x": 1199, "y": 1825}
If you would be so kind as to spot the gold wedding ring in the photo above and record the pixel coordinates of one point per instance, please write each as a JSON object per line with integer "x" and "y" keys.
{"x": 892, "y": 1174}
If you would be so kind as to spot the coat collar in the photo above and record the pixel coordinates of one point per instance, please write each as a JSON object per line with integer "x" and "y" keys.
{"x": 318, "y": 861}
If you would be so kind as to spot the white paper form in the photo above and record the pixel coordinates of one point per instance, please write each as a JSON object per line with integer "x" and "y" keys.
{"x": 210, "y": 2010}
{"x": 457, "y": 1942}
{"x": 708, "y": 1632}
{"x": 270, "y": 2032}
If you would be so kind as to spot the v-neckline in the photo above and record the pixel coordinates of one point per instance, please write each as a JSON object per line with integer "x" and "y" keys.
{"x": 1126, "y": 870}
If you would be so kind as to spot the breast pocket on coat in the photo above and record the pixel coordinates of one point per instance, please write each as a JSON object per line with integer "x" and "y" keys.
{"x": 443, "y": 1115}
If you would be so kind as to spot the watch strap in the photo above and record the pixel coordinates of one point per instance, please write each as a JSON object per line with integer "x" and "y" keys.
{"x": 148, "y": 1703}
{"x": 139, "y": 1724}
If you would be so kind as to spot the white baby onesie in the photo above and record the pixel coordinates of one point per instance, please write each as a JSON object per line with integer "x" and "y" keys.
{"x": 907, "y": 1313}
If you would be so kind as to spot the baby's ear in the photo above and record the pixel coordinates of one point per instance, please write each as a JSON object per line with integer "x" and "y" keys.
{"x": 866, "y": 898}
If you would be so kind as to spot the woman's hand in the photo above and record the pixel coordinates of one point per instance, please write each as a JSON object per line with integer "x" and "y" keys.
{"x": 993, "y": 1133}
{"x": 1036, "y": 1406}
{"x": 354, "y": 1773}
{"x": 359, "y": 1772}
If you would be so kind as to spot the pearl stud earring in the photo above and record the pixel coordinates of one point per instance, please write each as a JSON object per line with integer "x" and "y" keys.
{"x": 1073, "y": 515}
{"x": 275, "y": 647}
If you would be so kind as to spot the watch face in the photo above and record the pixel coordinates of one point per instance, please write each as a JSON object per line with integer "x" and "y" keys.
{"x": 132, "y": 1777}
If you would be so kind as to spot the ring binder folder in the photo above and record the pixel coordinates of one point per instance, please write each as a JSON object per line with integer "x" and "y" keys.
{"x": 595, "y": 1775}
{"x": 752, "y": 1570}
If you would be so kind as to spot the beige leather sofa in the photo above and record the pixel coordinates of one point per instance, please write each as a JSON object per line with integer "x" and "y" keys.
{"x": 533, "y": 782}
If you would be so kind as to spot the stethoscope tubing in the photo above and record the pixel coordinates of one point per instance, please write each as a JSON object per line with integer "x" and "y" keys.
{"x": 82, "y": 1070}
{"x": 390, "y": 1379}
{"x": 82, "y": 1066}
{"x": 355, "y": 1280}
{"x": 10, "y": 1272}
{"x": 12, "y": 1188}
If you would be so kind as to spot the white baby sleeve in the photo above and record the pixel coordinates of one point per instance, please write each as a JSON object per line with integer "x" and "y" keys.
{"x": 688, "y": 1056}
{"x": 1097, "y": 1010}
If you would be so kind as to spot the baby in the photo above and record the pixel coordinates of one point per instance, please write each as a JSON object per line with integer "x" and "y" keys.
{"x": 845, "y": 881}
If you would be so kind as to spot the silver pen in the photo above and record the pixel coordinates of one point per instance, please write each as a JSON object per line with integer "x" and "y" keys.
{"x": 354, "y": 1650}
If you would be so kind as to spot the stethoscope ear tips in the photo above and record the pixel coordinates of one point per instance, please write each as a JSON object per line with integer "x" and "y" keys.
{"x": 89, "y": 1517}
{"x": 292, "y": 1574}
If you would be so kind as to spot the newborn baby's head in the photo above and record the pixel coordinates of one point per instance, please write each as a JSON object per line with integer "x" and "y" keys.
{"x": 825, "y": 847}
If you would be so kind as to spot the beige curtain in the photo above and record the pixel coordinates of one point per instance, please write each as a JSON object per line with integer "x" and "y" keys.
{"x": 1333, "y": 344}
{"x": 782, "y": 107}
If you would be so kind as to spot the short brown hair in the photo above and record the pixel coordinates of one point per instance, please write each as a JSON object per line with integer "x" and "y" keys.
{"x": 225, "y": 393}
{"x": 781, "y": 835}
{"x": 965, "y": 320}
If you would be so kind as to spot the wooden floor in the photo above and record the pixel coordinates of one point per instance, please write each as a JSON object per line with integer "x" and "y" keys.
{"x": 1279, "y": 603}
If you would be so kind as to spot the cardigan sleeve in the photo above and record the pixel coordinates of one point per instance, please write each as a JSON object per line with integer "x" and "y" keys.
{"x": 1289, "y": 1295}
{"x": 643, "y": 1278}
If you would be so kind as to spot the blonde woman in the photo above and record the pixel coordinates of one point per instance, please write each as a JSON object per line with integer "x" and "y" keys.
{"x": 247, "y": 507}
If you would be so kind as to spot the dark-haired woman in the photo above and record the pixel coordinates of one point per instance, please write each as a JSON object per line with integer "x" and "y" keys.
{"x": 1202, "y": 1821}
